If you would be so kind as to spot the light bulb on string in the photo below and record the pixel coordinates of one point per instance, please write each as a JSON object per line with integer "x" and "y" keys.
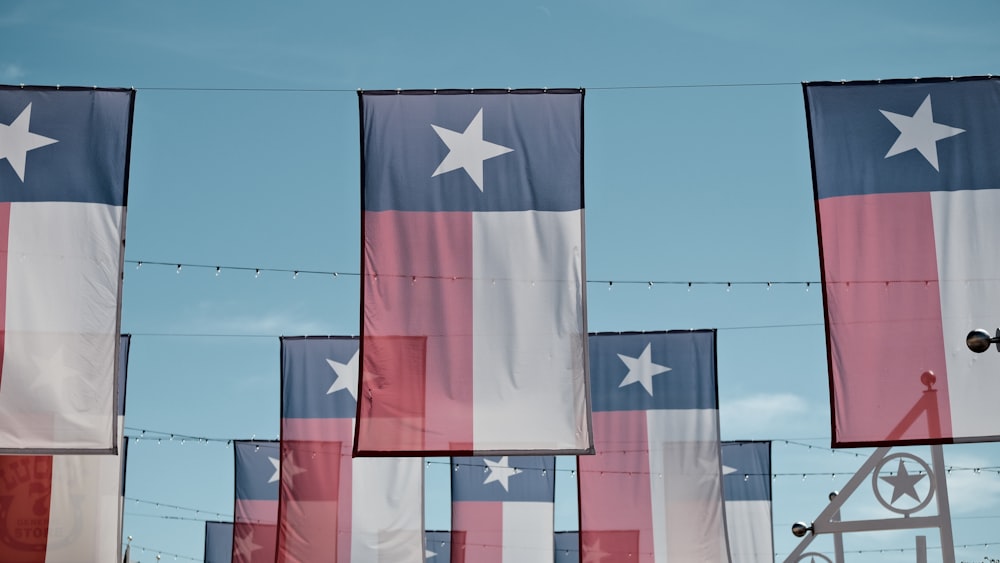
{"x": 218, "y": 271}
{"x": 179, "y": 266}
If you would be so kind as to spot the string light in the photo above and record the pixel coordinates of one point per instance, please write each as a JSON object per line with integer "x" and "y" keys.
{"x": 648, "y": 283}
{"x": 161, "y": 552}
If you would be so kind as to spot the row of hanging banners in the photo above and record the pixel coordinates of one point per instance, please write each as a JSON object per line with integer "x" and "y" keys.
{"x": 473, "y": 327}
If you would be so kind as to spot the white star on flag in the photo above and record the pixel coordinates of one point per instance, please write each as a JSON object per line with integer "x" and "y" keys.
{"x": 919, "y": 132}
{"x": 468, "y": 150}
{"x": 277, "y": 469}
{"x": 500, "y": 472}
{"x": 594, "y": 552}
{"x": 726, "y": 470}
{"x": 641, "y": 370}
{"x": 428, "y": 554}
{"x": 244, "y": 544}
{"x": 16, "y": 141}
{"x": 347, "y": 376}
{"x": 291, "y": 469}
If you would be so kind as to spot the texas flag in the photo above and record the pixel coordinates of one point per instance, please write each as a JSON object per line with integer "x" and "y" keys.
{"x": 907, "y": 185}
{"x": 437, "y": 546}
{"x": 502, "y": 509}
{"x": 746, "y": 482}
{"x": 255, "y": 515}
{"x": 333, "y": 507}
{"x": 65, "y": 508}
{"x": 63, "y": 176}
{"x": 218, "y": 542}
{"x": 473, "y": 291}
{"x": 653, "y": 491}
{"x": 567, "y": 547}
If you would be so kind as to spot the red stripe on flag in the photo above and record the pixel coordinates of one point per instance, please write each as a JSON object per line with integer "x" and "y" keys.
{"x": 478, "y": 531}
{"x": 25, "y": 495}
{"x": 417, "y": 390}
{"x": 614, "y": 483}
{"x": 315, "y": 498}
{"x": 885, "y": 325}
{"x": 254, "y": 543}
{"x": 313, "y": 521}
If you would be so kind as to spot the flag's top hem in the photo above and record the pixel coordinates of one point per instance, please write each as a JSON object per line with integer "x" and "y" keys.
{"x": 456, "y": 91}
{"x": 914, "y": 80}
{"x": 59, "y": 87}
{"x": 466, "y": 453}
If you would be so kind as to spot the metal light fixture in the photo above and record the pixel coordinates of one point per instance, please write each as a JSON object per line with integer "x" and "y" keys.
{"x": 979, "y": 340}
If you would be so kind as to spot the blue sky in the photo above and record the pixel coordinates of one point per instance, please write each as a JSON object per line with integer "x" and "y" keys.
{"x": 245, "y": 154}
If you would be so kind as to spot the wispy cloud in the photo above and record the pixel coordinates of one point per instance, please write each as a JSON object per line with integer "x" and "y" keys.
{"x": 762, "y": 414}
{"x": 10, "y": 71}
{"x": 223, "y": 318}
{"x": 971, "y": 491}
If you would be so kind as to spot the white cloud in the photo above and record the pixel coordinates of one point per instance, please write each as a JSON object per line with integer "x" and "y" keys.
{"x": 761, "y": 415}
{"x": 969, "y": 491}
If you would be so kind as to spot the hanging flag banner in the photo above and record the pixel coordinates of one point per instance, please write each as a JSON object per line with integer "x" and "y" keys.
{"x": 653, "y": 491}
{"x": 334, "y": 507}
{"x": 218, "y": 542}
{"x": 473, "y": 294}
{"x": 437, "y": 546}
{"x": 568, "y": 547}
{"x": 63, "y": 184}
{"x": 746, "y": 483}
{"x": 502, "y": 509}
{"x": 907, "y": 191}
{"x": 255, "y": 515}
{"x": 65, "y": 508}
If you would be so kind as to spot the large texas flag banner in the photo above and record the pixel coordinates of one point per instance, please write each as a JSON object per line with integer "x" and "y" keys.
{"x": 473, "y": 291}
{"x": 653, "y": 491}
{"x": 255, "y": 514}
{"x": 746, "y": 468}
{"x": 907, "y": 185}
{"x": 334, "y": 507}
{"x": 64, "y": 508}
{"x": 63, "y": 175}
{"x": 502, "y": 509}
{"x": 218, "y": 542}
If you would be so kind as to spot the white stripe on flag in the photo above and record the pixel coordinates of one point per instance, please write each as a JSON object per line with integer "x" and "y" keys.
{"x": 61, "y": 326}
{"x": 529, "y": 331}
{"x": 965, "y": 236}
{"x": 387, "y": 510}
{"x": 83, "y": 508}
{"x": 686, "y": 485}
{"x": 749, "y": 526}
{"x": 528, "y": 532}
